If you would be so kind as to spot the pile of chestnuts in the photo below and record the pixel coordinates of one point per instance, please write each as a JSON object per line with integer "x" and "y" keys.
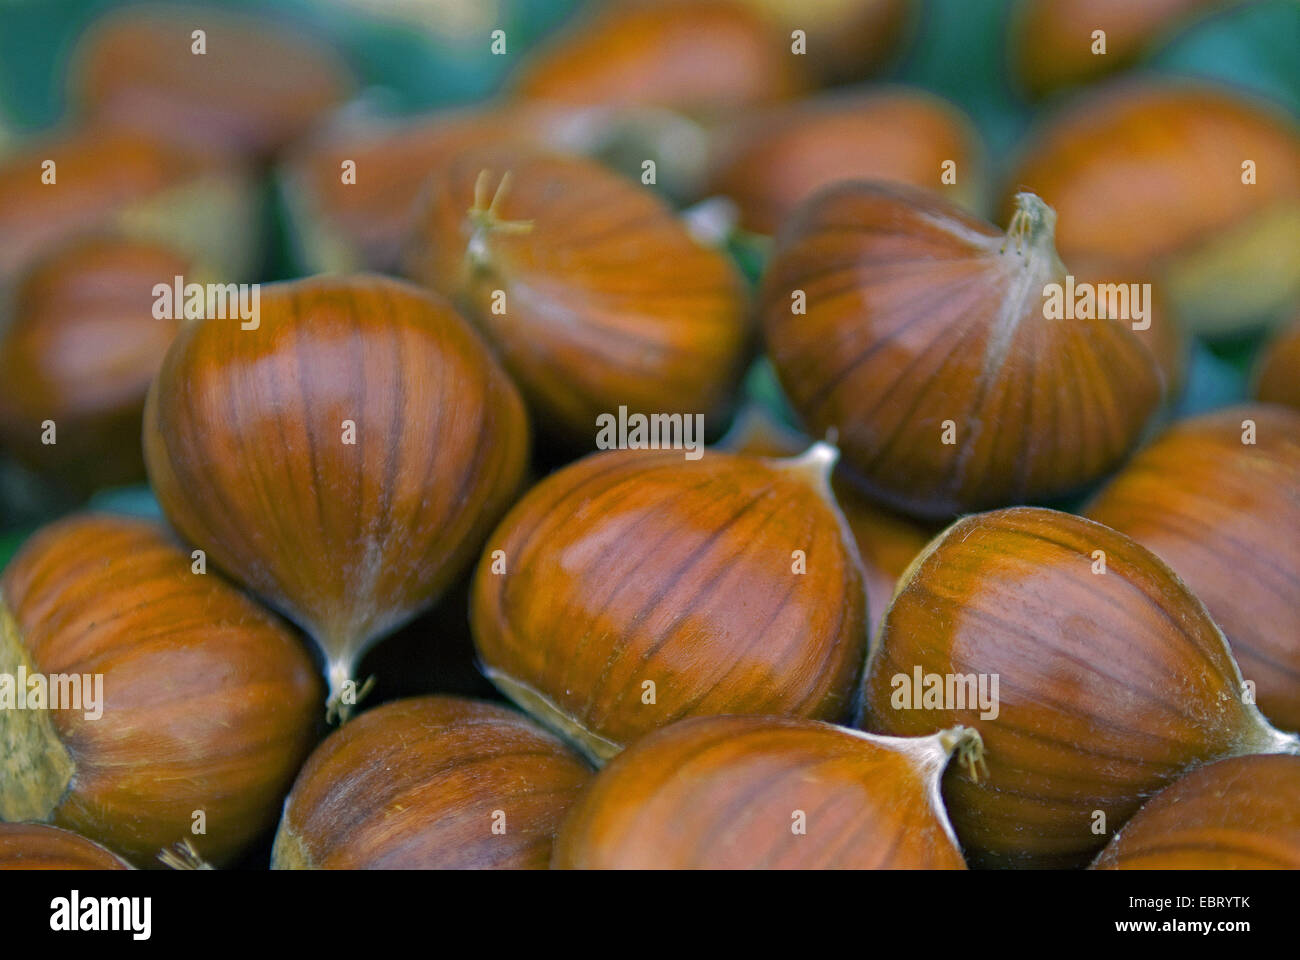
{"x": 701, "y": 454}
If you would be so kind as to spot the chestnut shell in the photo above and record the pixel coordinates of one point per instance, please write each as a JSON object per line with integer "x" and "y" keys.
{"x": 420, "y": 783}
{"x": 38, "y": 846}
{"x": 1236, "y": 814}
{"x": 210, "y": 702}
{"x": 1110, "y": 685}
{"x": 640, "y": 588}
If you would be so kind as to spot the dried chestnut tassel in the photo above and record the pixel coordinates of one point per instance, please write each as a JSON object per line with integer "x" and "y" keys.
{"x": 37, "y": 846}
{"x": 430, "y": 783}
{"x": 1237, "y": 814}
{"x": 343, "y": 455}
{"x": 959, "y": 366}
{"x": 737, "y": 793}
{"x": 1093, "y": 674}
{"x": 634, "y": 588}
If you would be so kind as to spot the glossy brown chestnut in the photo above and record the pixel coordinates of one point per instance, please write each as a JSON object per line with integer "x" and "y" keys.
{"x": 434, "y": 783}
{"x": 775, "y": 159}
{"x": 1152, "y": 175}
{"x": 886, "y": 541}
{"x": 1237, "y": 814}
{"x": 1217, "y": 497}
{"x": 82, "y": 345}
{"x": 635, "y": 587}
{"x": 922, "y": 337}
{"x": 591, "y": 288}
{"x": 111, "y": 180}
{"x": 1052, "y": 41}
{"x": 1111, "y": 680}
{"x": 737, "y": 793}
{"x": 694, "y": 55}
{"x": 1278, "y": 377}
{"x": 344, "y": 459}
{"x": 204, "y": 702}
{"x": 256, "y": 85}
{"x": 37, "y": 846}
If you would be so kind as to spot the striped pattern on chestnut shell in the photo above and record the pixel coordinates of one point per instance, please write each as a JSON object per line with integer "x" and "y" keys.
{"x": 919, "y": 314}
{"x": 244, "y": 444}
{"x": 1111, "y": 685}
{"x": 1237, "y": 814}
{"x": 36, "y": 846}
{"x": 210, "y": 702}
{"x": 1224, "y": 515}
{"x": 417, "y": 785}
{"x": 722, "y": 793}
{"x": 636, "y": 566}
{"x": 609, "y": 301}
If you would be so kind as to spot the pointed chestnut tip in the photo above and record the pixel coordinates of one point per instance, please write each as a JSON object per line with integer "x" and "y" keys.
{"x": 816, "y": 464}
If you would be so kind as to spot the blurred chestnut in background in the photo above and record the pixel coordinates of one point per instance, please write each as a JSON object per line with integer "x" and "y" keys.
{"x": 1195, "y": 187}
{"x": 701, "y": 56}
{"x": 591, "y": 288}
{"x": 344, "y": 459}
{"x": 255, "y": 84}
{"x": 1237, "y": 814}
{"x": 1277, "y": 378}
{"x": 918, "y": 333}
{"x": 36, "y": 846}
{"x": 886, "y": 541}
{"x": 104, "y": 179}
{"x": 736, "y": 793}
{"x": 81, "y": 347}
{"x": 347, "y": 219}
{"x": 846, "y": 39}
{"x": 433, "y": 783}
{"x": 771, "y": 161}
{"x": 1111, "y": 680}
{"x": 1217, "y": 497}
{"x": 1053, "y": 43}
{"x": 204, "y": 702}
{"x": 634, "y": 588}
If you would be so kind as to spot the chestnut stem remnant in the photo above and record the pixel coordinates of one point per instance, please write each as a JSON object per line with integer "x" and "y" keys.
{"x": 35, "y": 766}
{"x": 183, "y": 856}
{"x": 484, "y": 217}
{"x": 337, "y": 710}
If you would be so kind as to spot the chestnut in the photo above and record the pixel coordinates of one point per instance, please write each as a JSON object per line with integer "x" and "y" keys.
{"x": 37, "y": 846}
{"x": 1054, "y": 45}
{"x": 886, "y": 541}
{"x": 634, "y": 588}
{"x": 1237, "y": 814}
{"x": 846, "y": 39}
{"x": 591, "y": 288}
{"x": 926, "y": 339}
{"x": 430, "y": 783}
{"x": 1215, "y": 498}
{"x": 1277, "y": 379}
{"x": 776, "y": 159}
{"x": 106, "y": 179}
{"x": 343, "y": 458}
{"x": 1092, "y": 673}
{"x": 254, "y": 86}
{"x": 703, "y": 56}
{"x": 735, "y": 793}
{"x": 1194, "y": 187}
{"x": 142, "y": 702}
{"x": 82, "y": 345}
